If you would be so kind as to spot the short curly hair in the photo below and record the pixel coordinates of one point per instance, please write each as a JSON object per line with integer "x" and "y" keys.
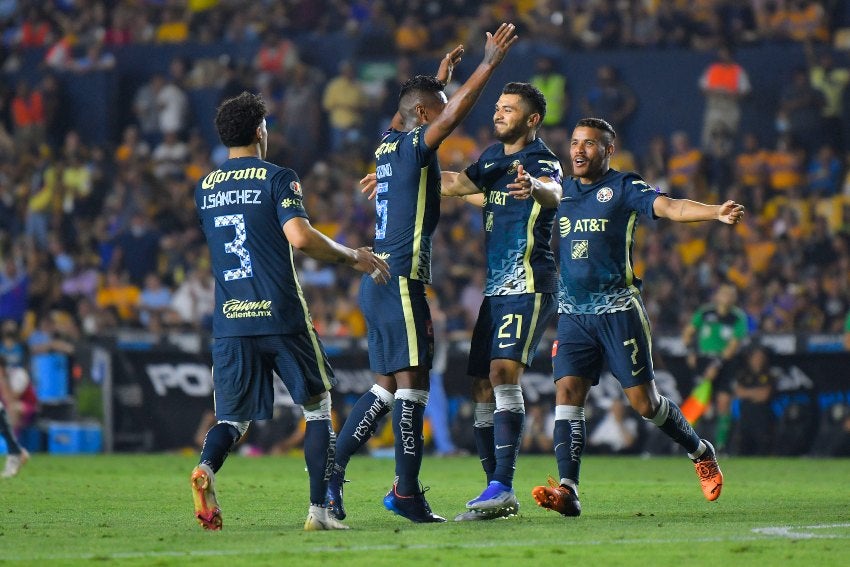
{"x": 237, "y": 119}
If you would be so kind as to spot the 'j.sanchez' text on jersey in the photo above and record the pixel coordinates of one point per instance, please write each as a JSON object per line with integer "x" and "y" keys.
{"x": 242, "y": 207}
{"x": 596, "y": 225}
{"x": 407, "y": 202}
{"x": 517, "y": 232}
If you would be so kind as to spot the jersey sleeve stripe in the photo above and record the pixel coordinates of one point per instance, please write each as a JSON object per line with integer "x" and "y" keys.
{"x": 538, "y": 298}
{"x": 409, "y": 322}
{"x": 420, "y": 221}
{"x": 314, "y": 339}
{"x": 529, "y": 247}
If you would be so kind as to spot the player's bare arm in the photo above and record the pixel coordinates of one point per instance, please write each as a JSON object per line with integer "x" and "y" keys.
{"x": 461, "y": 103}
{"x": 544, "y": 190}
{"x": 685, "y": 210}
{"x": 301, "y": 234}
{"x": 454, "y": 184}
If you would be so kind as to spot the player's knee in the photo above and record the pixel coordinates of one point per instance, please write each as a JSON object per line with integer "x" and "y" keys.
{"x": 317, "y": 408}
{"x": 504, "y": 372}
{"x": 240, "y": 426}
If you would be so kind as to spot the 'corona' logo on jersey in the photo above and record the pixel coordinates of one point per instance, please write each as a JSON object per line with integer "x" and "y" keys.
{"x": 566, "y": 226}
{"x": 217, "y": 176}
{"x": 244, "y": 309}
{"x": 514, "y": 165}
{"x": 604, "y": 195}
{"x": 579, "y": 249}
{"x": 296, "y": 187}
{"x": 386, "y": 148}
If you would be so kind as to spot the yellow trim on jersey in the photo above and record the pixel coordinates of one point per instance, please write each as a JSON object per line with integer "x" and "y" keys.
{"x": 630, "y": 231}
{"x": 314, "y": 339}
{"x": 644, "y": 322}
{"x": 409, "y": 321}
{"x": 538, "y": 297}
{"x": 529, "y": 246}
{"x": 420, "y": 217}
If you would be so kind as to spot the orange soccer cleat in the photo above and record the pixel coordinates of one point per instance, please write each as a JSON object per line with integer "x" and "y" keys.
{"x": 558, "y": 497}
{"x": 207, "y": 511}
{"x": 708, "y": 471}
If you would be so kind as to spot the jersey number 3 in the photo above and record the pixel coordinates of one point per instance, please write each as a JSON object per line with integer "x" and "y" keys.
{"x": 236, "y": 246}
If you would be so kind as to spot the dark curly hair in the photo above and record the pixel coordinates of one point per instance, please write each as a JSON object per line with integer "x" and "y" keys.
{"x": 418, "y": 85}
{"x": 530, "y": 95}
{"x": 599, "y": 124}
{"x": 237, "y": 119}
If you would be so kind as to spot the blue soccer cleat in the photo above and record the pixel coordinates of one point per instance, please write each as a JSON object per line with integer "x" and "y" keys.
{"x": 414, "y": 507}
{"x": 334, "y": 496}
{"x": 496, "y": 501}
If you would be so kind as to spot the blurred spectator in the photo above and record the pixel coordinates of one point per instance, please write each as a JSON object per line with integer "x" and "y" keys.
{"x": 685, "y": 167}
{"x": 154, "y": 300}
{"x": 169, "y": 156}
{"x": 750, "y": 172}
{"x": 411, "y": 35}
{"x": 724, "y": 83}
{"x": 344, "y": 100}
{"x": 116, "y": 292}
{"x": 14, "y": 289}
{"x": 276, "y": 58}
{"x": 93, "y": 59}
{"x": 785, "y": 167}
{"x": 831, "y": 82}
{"x": 301, "y": 118}
{"x": 553, "y": 85}
{"x": 611, "y": 99}
{"x": 823, "y": 173}
{"x": 174, "y": 27}
{"x": 799, "y": 112}
{"x": 172, "y": 104}
{"x": 754, "y": 386}
{"x": 194, "y": 299}
{"x": 28, "y": 117}
{"x": 537, "y": 431}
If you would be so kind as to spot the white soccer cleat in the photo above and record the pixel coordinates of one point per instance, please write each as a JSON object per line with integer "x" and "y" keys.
{"x": 319, "y": 518}
{"x": 14, "y": 464}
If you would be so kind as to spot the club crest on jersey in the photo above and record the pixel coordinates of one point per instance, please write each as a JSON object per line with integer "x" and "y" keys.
{"x": 296, "y": 187}
{"x": 604, "y": 195}
{"x": 514, "y": 165}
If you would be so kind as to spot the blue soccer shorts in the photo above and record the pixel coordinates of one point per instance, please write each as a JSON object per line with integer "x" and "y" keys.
{"x": 622, "y": 339}
{"x": 510, "y": 327}
{"x": 242, "y": 372}
{"x": 398, "y": 322}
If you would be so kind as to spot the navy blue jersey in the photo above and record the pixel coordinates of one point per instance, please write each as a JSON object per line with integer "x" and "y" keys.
{"x": 596, "y": 224}
{"x": 407, "y": 203}
{"x": 517, "y": 232}
{"x": 242, "y": 207}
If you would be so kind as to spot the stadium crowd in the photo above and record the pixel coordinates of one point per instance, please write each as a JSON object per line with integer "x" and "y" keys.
{"x": 97, "y": 238}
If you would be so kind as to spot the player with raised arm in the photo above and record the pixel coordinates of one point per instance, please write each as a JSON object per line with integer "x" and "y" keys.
{"x": 400, "y": 333}
{"x": 252, "y": 215}
{"x": 520, "y": 181}
{"x": 602, "y": 317}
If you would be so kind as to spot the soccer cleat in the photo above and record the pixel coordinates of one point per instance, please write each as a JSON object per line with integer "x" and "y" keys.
{"x": 497, "y": 499}
{"x": 319, "y": 518}
{"x": 510, "y": 507}
{"x": 414, "y": 507}
{"x": 207, "y": 511}
{"x": 334, "y": 496}
{"x": 14, "y": 464}
{"x": 708, "y": 471}
{"x": 560, "y": 498}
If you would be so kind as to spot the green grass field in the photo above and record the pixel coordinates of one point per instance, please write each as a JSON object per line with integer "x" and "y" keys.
{"x": 137, "y": 510}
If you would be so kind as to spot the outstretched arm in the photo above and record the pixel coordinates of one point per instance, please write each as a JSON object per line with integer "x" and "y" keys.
{"x": 685, "y": 210}
{"x": 544, "y": 190}
{"x": 462, "y": 101}
{"x": 444, "y": 75}
{"x": 301, "y": 234}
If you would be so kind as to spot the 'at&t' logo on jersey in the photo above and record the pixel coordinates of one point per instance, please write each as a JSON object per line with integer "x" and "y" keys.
{"x": 581, "y": 225}
{"x": 604, "y": 195}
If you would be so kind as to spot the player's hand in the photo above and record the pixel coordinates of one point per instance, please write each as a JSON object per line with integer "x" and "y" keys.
{"x": 499, "y": 43}
{"x": 523, "y": 186}
{"x": 448, "y": 63}
{"x": 370, "y": 264}
{"x": 370, "y": 186}
{"x": 730, "y": 212}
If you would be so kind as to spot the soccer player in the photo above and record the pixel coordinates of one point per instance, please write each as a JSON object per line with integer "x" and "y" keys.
{"x": 602, "y": 317}
{"x": 17, "y": 455}
{"x": 520, "y": 179}
{"x": 714, "y": 337}
{"x": 252, "y": 215}
{"x": 398, "y": 319}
